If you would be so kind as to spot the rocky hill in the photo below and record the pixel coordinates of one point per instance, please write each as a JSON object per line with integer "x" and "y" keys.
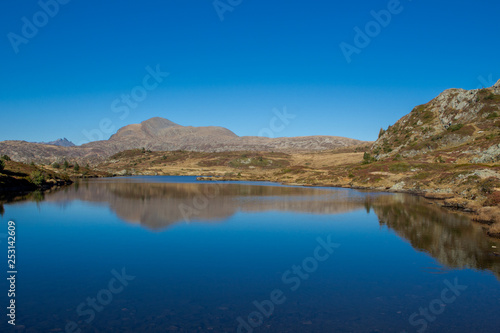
{"x": 28, "y": 152}
{"x": 459, "y": 125}
{"x": 159, "y": 134}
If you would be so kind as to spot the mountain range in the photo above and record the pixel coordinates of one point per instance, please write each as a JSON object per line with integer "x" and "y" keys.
{"x": 459, "y": 126}
{"x": 160, "y": 134}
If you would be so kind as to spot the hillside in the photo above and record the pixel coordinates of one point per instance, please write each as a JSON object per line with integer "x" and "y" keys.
{"x": 159, "y": 134}
{"x": 28, "y": 152}
{"x": 458, "y": 126}
{"x": 19, "y": 179}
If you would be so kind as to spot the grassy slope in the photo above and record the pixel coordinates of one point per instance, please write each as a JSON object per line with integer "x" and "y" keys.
{"x": 19, "y": 178}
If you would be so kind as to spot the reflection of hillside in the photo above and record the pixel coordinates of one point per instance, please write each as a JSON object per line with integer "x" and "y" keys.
{"x": 158, "y": 205}
{"x": 450, "y": 238}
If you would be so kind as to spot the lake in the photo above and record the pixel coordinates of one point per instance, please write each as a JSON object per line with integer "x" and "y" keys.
{"x": 171, "y": 254}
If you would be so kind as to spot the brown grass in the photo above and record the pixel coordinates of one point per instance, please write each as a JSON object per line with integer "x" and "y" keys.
{"x": 495, "y": 229}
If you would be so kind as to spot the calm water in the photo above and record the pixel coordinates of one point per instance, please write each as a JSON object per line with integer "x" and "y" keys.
{"x": 169, "y": 254}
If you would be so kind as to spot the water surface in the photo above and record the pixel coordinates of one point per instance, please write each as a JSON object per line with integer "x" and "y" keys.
{"x": 207, "y": 257}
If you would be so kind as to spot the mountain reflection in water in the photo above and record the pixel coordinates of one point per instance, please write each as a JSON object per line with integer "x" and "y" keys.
{"x": 450, "y": 238}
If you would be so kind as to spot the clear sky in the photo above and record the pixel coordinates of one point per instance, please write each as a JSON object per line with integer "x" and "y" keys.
{"x": 64, "y": 74}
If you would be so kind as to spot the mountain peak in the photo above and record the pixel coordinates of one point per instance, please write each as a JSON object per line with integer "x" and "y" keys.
{"x": 60, "y": 142}
{"x": 159, "y": 122}
{"x": 150, "y": 128}
{"x": 155, "y": 125}
{"x": 497, "y": 85}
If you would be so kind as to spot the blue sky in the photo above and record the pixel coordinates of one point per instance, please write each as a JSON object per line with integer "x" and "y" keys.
{"x": 263, "y": 56}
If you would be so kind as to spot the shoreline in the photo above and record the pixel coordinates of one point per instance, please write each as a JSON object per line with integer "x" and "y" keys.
{"x": 23, "y": 191}
{"x": 21, "y": 188}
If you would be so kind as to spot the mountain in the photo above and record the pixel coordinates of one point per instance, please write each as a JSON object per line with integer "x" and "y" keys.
{"x": 460, "y": 126}
{"x": 159, "y": 134}
{"x": 60, "y": 142}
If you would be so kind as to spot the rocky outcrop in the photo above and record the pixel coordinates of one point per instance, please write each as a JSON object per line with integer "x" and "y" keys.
{"x": 490, "y": 155}
{"x": 465, "y": 121}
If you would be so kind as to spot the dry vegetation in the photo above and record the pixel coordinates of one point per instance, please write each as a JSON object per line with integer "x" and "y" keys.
{"x": 17, "y": 178}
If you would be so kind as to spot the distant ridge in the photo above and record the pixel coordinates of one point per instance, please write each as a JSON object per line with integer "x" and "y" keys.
{"x": 160, "y": 134}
